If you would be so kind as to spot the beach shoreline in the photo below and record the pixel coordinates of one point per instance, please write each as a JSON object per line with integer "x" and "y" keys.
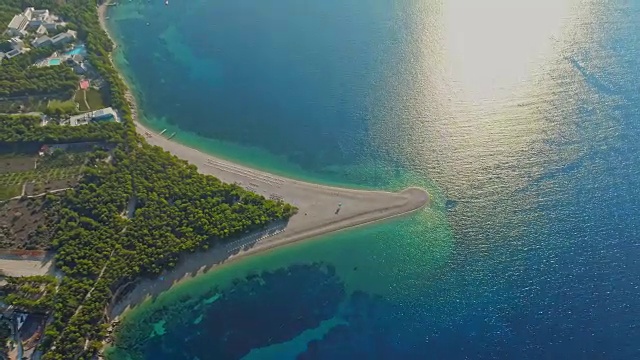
{"x": 321, "y": 209}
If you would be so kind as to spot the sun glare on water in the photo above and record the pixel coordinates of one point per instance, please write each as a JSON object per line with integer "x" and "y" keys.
{"x": 491, "y": 46}
{"x": 481, "y": 72}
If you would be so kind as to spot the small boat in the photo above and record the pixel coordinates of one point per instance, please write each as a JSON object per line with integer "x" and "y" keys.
{"x": 162, "y": 132}
{"x": 166, "y": 2}
{"x": 171, "y": 136}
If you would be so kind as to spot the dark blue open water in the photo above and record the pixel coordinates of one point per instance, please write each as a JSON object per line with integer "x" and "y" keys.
{"x": 521, "y": 117}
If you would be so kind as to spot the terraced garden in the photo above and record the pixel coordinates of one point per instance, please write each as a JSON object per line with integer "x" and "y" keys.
{"x": 43, "y": 179}
{"x": 38, "y": 175}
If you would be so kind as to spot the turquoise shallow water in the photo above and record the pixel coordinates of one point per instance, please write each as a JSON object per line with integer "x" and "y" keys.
{"x": 78, "y": 50}
{"x": 519, "y": 117}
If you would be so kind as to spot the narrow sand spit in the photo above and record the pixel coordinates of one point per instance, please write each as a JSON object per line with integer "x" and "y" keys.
{"x": 321, "y": 210}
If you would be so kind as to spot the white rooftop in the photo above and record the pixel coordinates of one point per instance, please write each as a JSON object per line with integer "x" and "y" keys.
{"x": 83, "y": 119}
{"x": 18, "y": 22}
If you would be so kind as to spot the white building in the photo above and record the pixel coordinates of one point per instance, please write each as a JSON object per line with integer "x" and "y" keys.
{"x": 42, "y": 18}
{"x": 18, "y": 25}
{"x": 105, "y": 114}
{"x": 28, "y": 12}
{"x": 81, "y": 119}
{"x": 33, "y": 19}
{"x": 39, "y": 14}
{"x": 41, "y": 30}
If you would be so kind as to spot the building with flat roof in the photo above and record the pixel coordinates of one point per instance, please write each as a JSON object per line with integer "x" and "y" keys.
{"x": 81, "y": 119}
{"x": 13, "y": 53}
{"x": 28, "y": 12}
{"x": 30, "y": 18}
{"x": 42, "y": 18}
{"x": 42, "y": 41}
{"x": 106, "y": 114}
{"x": 39, "y": 14}
{"x": 64, "y": 38}
{"x": 17, "y": 25}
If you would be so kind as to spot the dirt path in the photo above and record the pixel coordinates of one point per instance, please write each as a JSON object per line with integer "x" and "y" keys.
{"x": 38, "y": 195}
{"x": 84, "y": 98}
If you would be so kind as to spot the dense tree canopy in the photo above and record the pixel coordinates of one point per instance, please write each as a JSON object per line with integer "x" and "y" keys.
{"x": 19, "y": 78}
{"x": 59, "y": 108}
{"x": 134, "y": 212}
{"x": 20, "y": 130}
{"x": 30, "y": 293}
{"x": 177, "y": 210}
{"x": 55, "y": 80}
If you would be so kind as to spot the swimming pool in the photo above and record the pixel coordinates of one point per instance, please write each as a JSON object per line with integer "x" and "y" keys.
{"x": 55, "y": 61}
{"x": 80, "y": 49}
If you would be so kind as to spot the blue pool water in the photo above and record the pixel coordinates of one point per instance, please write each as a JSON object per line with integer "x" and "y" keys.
{"x": 522, "y": 118}
{"x": 80, "y": 49}
{"x": 54, "y": 62}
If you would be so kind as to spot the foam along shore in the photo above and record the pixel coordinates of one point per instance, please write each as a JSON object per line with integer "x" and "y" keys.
{"x": 321, "y": 209}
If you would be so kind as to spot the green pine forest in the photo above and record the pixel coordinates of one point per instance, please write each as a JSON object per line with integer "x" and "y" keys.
{"x": 135, "y": 212}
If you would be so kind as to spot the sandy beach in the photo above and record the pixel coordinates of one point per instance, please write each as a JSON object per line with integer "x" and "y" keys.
{"x": 321, "y": 210}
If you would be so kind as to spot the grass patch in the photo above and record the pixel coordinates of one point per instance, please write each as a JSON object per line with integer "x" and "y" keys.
{"x": 58, "y": 107}
{"x": 16, "y": 163}
{"x": 94, "y": 98}
{"x": 7, "y": 192}
{"x": 79, "y": 98}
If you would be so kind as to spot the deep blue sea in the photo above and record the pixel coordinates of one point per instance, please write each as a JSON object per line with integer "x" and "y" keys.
{"x": 522, "y": 119}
